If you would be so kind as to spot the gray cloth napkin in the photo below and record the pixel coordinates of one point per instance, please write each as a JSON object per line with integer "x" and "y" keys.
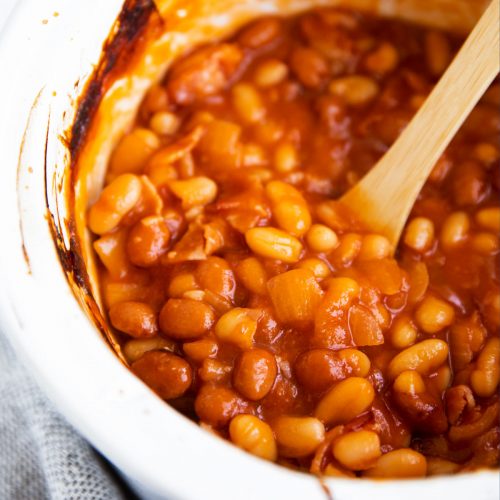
{"x": 41, "y": 455}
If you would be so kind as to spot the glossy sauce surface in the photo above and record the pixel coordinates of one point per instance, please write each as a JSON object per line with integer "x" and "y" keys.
{"x": 248, "y": 299}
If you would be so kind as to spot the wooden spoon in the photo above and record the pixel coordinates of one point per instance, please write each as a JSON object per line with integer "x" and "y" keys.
{"x": 383, "y": 199}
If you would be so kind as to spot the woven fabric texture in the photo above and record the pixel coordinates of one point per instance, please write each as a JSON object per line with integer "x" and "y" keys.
{"x": 41, "y": 455}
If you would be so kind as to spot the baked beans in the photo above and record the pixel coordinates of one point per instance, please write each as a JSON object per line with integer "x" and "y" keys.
{"x": 236, "y": 284}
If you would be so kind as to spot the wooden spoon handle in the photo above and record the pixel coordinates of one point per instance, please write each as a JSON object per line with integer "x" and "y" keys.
{"x": 384, "y": 198}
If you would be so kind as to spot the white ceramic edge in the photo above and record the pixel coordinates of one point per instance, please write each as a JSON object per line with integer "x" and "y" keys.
{"x": 143, "y": 437}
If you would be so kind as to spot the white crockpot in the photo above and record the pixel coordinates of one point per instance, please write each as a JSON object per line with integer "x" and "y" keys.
{"x": 47, "y": 54}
